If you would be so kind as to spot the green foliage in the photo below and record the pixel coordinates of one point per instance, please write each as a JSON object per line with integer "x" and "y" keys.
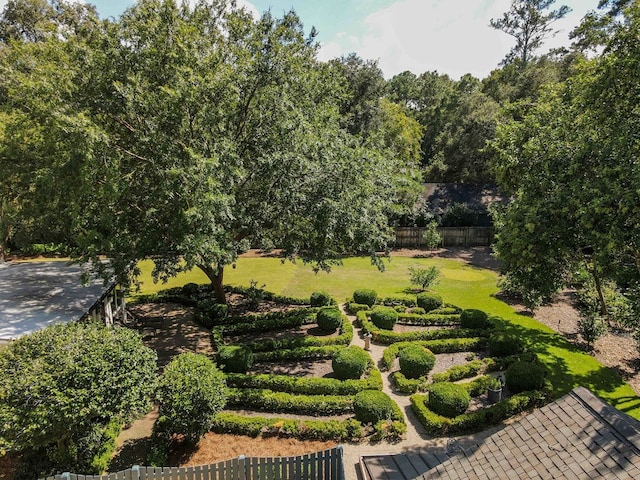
{"x": 60, "y": 385}
{"x": 395, "y": 300}
{"x": 424, "y": 277}
{"x": 283, "y": 402}
{"x": 448, "y": 399}
{"x": 431, "y": 237}
{"x": 429, "y": 319}
{"x": 299, "y": 353}
{"x": 473, "y": 318}
{"x": 415, "y": 361}
{"x": 365, "y": 296}
{"x": 268, "y": 322}
{"x": 319, "y": 299}
{"x": 407, "y": 385}
{"x": 417, "y": 311}
{"x": 384, "y": 317}
{"x": 449, "y": 345}
{"x": 620, "y": 307}
{"x": 329, "y": 319}
{"x": 338, "y": 430}
{"x": 372, "y": 406}
{"x": 459, "y": 215}
{"x": 354, "y": 308}
{"x": 235, "y": 358}
{"x": 504, "y": 345}
{"x": 458, "y": 372}
{"x": 591, "y": 328}
{"x": 191, "y": 390}
{"x": 429, "y": 301}
{"x": 524, "y": 376}
{"x": 350, "y": 362}
{"x": 210, "y": 313}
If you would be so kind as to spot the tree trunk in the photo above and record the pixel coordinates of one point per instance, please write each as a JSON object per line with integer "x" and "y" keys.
{"x": 215, "y": 275}
{"x": 603, "y": 304}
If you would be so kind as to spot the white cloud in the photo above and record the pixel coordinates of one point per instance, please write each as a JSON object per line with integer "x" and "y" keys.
{"x": 450, "y": 37}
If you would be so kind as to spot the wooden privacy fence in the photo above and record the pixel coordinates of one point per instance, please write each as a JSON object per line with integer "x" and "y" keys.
{"x": 325, "y": 465}
{"x": 413, "y": 237}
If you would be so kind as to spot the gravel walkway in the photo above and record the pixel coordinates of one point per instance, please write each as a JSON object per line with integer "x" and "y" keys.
{"x": 415, "y": 440}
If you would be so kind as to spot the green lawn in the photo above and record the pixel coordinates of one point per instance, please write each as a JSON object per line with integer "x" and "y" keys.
{"x": 462, "y": 285}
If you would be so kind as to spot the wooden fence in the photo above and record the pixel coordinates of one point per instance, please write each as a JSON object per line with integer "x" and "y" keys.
{"x": 413, "y": 237}
{"x": 325, "y": 465}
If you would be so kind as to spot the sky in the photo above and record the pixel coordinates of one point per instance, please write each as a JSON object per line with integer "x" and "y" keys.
{"x": 447, "y": 36}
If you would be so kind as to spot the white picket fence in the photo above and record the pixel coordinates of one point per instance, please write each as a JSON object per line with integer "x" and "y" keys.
{"x": 324, "y": 465}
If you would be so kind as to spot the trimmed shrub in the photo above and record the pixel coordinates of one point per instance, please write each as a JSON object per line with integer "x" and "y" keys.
{"x": 372, "y": 406}
{"x": 429, "y": 301}
{"x": 408, "y": 385}
{"x": 472, "y": 318}
{"x": 504, "y": 345}
{"x": 416, "y": 361}
{"x": 191, "y": 390}
{"x": 525, "y": 376}
{"x": 400, "y": 308}
{"x": 283, "y": 402}
{"x": 320, "y": 299}
{"x": 235, "y": 358}
{"x": 329, "y": 319}
{"x": 190, "y": 289}
{"x": 354, "y": 308}
{"x": 384, "y": 317}
{"x": 417, "y": 311}
{"x": 365, "y": 296}
{"x": 458, "y": 372}
{"x": 350, "y": 363}
{"x": 448, "y": 399}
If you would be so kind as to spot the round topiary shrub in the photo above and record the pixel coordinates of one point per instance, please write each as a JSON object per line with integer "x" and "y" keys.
{"x": 350, "y": 362}
{"x": 448, "y": 399}
{"x": 384, "y": 317}
{"x": 365, "y": 297}
{"x": 524, "y": 376}
{"x": 417, "y": 311}
{"x": 371, "y": 406}
{"x": 429, "y": 301}
{"x": 503, "y": 345}
{"x": 472, "y": 318}
{"x": 235, "y": 358}
{"x": 320, "y": 299}
{"x": 191, "y": 391}
{"x": 329, "y": 319}
{"x": 416, "y": 361}
{"x": 189, "y": 289}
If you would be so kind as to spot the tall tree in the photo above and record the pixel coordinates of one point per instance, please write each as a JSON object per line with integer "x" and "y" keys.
{"x": 529, "y": 24}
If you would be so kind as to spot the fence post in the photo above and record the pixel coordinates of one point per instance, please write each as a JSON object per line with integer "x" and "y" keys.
{"x": 65, "y": 476}
{"x": 339, "y": 453}
{"x": 242, "y": 468}
{"x": 135, "y": 472}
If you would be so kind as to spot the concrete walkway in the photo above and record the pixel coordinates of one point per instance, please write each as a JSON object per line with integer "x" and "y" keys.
{"x": 36, "y": 294}
{"x": 416, "y": 440}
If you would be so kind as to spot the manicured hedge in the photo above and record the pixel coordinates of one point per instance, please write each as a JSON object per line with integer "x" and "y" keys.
{"x": 350, "y": 363}
{"x": 235, "y": 358}
{"x": 301, "y": 353}
{"x": 480, "y": 419}
{"x": 429, "y": 301}
{"x": 473, "y": 318}
{"x": 269, "y": 344}
{"x": 448, "y": 399}
{"x": 372, "y": 406}
{"x": 523, "y": 376}
{"x": 429, "y": 319}
{"x": 270, "y": 296}
{"x": 353, "y": 307}
{"x": 308, "y": 385}
{"x": 283, "y": 402}
{"x": 392, "y": 301}
{"x": 408, "y": 385}
{"x": 320, "y": 299}
{"x": 415, "y": 361}
{"x": 503, "y": 345}
{"x": 384, "y": 317}
{"x": 436, "y": 346}
{"x": 502, "y": 363}
{"x": 365, "y": 296}
{"x": 329, "y": 319}
{"x": 256, "y": 323}
{"x": 458, "y": 372}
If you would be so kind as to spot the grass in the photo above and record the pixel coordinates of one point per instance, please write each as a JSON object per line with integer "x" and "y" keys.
{"x": 460, "y": 284}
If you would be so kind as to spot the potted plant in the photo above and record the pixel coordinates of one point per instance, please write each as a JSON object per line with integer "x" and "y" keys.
{"x": 494, "y": 390}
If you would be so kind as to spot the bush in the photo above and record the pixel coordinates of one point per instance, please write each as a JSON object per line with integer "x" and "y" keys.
{"x": 429, "y": 301}
{"x": 189, "y": 289}
{"x": 384, "y": 317}
{"x": 235, "y": 358}
{"x": 372, "y": 406}
{"x": 525, "y": 376}
{"x": 365, "y": 296}
{"x": 417, "y": 311}
{"x": 329, "y": 319}
{"x": 350, "y": 362}
{"x": 416, "y": 361}
{"x": 424, "y": 277}
{"x": 472, "y": 318}
{"x": 320, "y": 299}
{"x": 458, "y": 372}
{"x": 591, "y": 327}
{"x": 448, "y": 399}
{"x": 284, "y": 402}
{"x": 504, "y": 345}
{"x": 354, "y": 308}
{"x": 191, "y": 391}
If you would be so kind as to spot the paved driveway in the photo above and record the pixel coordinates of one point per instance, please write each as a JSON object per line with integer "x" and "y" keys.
{"x": 36, "y": 294}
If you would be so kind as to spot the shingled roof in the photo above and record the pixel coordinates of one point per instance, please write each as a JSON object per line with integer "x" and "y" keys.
{"x": 576, "y": 437}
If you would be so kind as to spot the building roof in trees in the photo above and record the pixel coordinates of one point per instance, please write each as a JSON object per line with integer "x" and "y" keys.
{"x": 577, "y": 436}
{"x": 442, "y": 196}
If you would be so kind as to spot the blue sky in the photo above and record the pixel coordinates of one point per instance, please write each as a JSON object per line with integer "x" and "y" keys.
{"x": 449, "y": 36}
